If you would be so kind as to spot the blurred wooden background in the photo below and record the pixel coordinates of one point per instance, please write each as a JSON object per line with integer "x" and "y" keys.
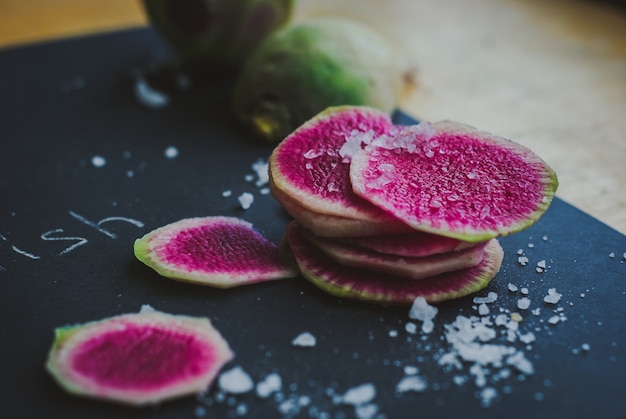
{"x": 548, "y": 74}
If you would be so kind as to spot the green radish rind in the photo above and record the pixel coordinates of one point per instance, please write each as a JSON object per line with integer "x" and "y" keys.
{"x": 404, "y": 200}
{"x": 224, "y": 252}
{"x": 365, "y": 285}
{"x": 72, "y": 341}
{"x": 406, "y": 267}
{"x": 322, "y": 185}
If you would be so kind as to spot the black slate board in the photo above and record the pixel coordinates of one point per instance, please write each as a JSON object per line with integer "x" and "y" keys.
{"x": 64, "y": 260}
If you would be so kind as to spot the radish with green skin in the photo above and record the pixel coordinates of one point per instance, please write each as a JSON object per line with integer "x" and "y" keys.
{"x": 367, "y": 285}
{"x": 452, "y": 180}
{"x": 402, "y": 266}
{"x": 217, "y": 33}
{"x": 308, "y": 66}
{"x": 138, "y": 359}
{"x": 217, "y": 251}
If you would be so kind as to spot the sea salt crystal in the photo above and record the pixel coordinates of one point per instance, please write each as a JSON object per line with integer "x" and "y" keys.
{"x": 527, "y": 337}
{"x": 353, "y": 143}
{"x": 522, "y": 260}
{"x": 410, "y": 370}
{"x": 490, "y": 298}
{"x": 265, "y": 191}
{"x": 519, "y": 361}
{"x": 249, "y": 178}
{"x": 421, "y": 310}
{"x": 148, "y": 96}
{"x": 553, "y": 297}
{"x": 487, "y": 396}
{"x": 523, "y": 303}
{"x": 411, "y": 383}
{"x": 305, "y": 339}
{"x": 585, "y": 347}
{"x": 512, "y": 287}
{"x": 235, "y": 381}
{"x": 624, "y": 256}
{"x": 411, "y": 328}
{"x": 483, "y": 309}
{"x": 269, "y": 385}
{"x": 227, "y": 193}
{"x": 98, "y": 161}
{"x": 554, "y": 319}
{"x": 260, "y": 167}
{"x": 536, "y": 311}
{"x": 366, "y": 411}
{"x": 314, "y": 153}
{"x": 245, "y": 200}
{"x": 171, "y": 152}
{"x": 524, "y": 291}
{"x": 358, "y": 395}
{"x": 393, "y": 333}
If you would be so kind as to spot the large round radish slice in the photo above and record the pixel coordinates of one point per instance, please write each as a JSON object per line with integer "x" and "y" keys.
{"x": 453, "y": 180}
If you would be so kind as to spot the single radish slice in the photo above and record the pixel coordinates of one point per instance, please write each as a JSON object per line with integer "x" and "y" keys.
{"x": 413, "y": 244}
{"x": 312, "y": 164}
{"x": 138, "y": 359}
{"x": 218, "y": 251}
{"x": 402, "y": 266}
{"x": 325, "y": 225}
{"x": 366, "y": 285}
{"x": 453, "y": 180}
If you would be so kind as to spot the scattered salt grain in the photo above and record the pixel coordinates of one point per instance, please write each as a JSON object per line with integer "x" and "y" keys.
{"x": 527, "y": 337}
{"x": 531, "y": 245}
{"x": 520, "y": 252}
{"x": 171, "y": 152}
{"x": 227, "y": 193}
{"x": 624, "y": 256}
{"x": 249, "y": 178}
{"x": 612, "y": 255}
{"x": 522, "y": 260}
{"x": 512, "y": 287}
{"x": 421, "y": 310}
{"x": 366, "y": 411}
{"x": 536, "y": 312}
{"x": 410, "y": 370}
{"x": 269, "y": 385}
{"x": 411, "y": 328}
{"x": 523, "y": 303}
{"x": 260, "y": 167}
{"x": 545, "y": 238}
{"x": 148, "y": 96}
{"x": 483, "y": 309}
{"x": 264, "y": 191}
{"x": 235, "y": 381}
{"x": 358, "y": 395}
{"x": 393, "y": 333}
{"x": 585, "y": 347}
{"x": 487, "y": 396}
{"x": 490, "y": 298}
{"x": 411, "y": 383}
{"x": 524, "y": 291}
{"x": 304, "y": 340}
{"x": 98, "y": 161}
{"x": 245, "y": 200}
{"x": 554, "y": 319}
{"x": 553, "y": 297}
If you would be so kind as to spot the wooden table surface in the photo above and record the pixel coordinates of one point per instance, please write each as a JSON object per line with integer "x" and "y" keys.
{"x": 548, "y": 74}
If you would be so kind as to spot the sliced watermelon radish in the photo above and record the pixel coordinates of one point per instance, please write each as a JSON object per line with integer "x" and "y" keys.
{"x": 402, "y": 266}
{"x": 326, "y": 225}
{"x": 312, "y": 164}
{"x": 138, "y": 359}
{"x": 366, "y": 285}
{"x": 453, "y": 180}
{"x": 217, "y": 251}
{"x": 414, "y": 244}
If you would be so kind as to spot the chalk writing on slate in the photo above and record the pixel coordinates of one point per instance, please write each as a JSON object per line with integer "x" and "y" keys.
{"x": 59, "y": 234}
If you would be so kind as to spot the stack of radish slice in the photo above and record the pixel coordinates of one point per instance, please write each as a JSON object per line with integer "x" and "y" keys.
{"x": 387, "y": 213}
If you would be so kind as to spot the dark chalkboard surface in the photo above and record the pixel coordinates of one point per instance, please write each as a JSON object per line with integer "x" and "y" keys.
{"x": 84, "y": 171}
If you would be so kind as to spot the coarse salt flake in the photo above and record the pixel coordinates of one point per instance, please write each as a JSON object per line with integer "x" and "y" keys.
{"x": 305, "y": 340}
{"x": 269, "y": 385}
{"x": 171, "y": 152}
{"x": 98, "y": 161}
{"x": 245, "y": 200}
{"x": 411, "y": 383}
{"x": 421, "y": 310}
{"x": 522, "y": 260}
{"x": 359, "y": 395}
{"x": 512, "y": 287}
{"x": 235, "y": 381}
{"x": 227, "y": 193}
{"x": 553, "y": 297}
{"x": 523, "y": 303}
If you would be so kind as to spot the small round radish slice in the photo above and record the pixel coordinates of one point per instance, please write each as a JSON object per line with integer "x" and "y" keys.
{"x": 453, "y": 180}
{"x": 218, "y": 251}
{"x": 312, "y": 164}
{"x": 138, "y": 359}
